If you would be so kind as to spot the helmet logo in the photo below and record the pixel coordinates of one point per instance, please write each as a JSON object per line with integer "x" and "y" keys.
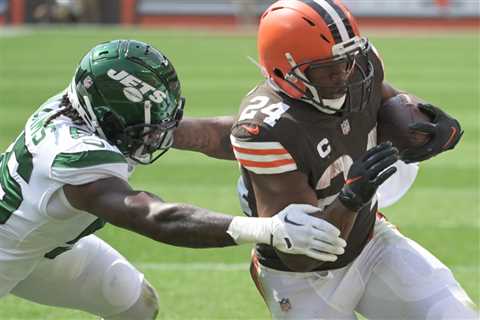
{"x": 136, "y": 89}
{"x": 133, "y": 94}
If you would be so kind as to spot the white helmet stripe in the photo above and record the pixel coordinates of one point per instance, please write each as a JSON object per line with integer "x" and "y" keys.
{"x": 335, "y": 17}
{"x": 342, "y": 29}
{"x": 148, "y": 120}
{"x": 148, "y": 112}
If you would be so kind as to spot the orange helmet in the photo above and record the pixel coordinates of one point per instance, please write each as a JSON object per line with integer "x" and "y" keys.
{"x": 296, "y": 36}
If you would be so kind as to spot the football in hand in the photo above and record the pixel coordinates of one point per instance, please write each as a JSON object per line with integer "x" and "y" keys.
{"x": 394, "y": 119}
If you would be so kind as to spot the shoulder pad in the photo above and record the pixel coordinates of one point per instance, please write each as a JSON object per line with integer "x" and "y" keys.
{"x": 85, "y": 158}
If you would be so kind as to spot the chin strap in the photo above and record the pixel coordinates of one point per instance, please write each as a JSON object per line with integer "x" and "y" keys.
{"x": 336, "y": 104}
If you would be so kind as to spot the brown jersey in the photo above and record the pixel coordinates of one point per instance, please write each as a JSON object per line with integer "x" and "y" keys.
{"x": 275, "y": 134}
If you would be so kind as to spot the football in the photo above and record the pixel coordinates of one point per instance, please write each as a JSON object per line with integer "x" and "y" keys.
{"x": 394, "y": 119}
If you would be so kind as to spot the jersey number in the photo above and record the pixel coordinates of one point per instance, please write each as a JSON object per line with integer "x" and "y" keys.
{"x": 340, "y": 166}
{"x": 260, "y": 103}
{"x": 10, "y": 191}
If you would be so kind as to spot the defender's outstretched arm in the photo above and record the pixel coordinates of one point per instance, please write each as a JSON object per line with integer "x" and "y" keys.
{"x": 115, "y": 201}
{"x": 186, "y": 225}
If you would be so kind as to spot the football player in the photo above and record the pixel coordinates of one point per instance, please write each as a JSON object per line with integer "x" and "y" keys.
{"x": 66, "y": 175}
{"x": 308, "y": 135}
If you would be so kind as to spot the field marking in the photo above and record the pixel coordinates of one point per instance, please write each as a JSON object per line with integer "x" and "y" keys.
{"x": 228, "y": 267}
{"x": 442, "y": 227}
{"x": 248, "y": 31}
{"x": 7, "y": 32}
{"x": 193, "y": 266}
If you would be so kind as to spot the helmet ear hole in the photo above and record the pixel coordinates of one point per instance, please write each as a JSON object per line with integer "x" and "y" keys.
{"x": 278, "y": 73}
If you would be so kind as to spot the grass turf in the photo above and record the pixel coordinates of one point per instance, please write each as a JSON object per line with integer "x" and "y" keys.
{"x": 441, "y": 212}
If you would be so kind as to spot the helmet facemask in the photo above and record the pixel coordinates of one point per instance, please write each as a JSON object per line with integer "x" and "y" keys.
{"x": 142, "y": 143}
{"x": 348, "y": 53}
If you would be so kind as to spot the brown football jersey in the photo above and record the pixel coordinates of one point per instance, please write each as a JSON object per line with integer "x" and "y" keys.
{"x": 276, "y": 134}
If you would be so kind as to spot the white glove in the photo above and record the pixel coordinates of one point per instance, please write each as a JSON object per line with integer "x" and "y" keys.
{"x": 294, "y": 231}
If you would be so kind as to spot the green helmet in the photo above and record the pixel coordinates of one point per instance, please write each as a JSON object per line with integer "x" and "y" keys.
{"x": 128, "y": 93}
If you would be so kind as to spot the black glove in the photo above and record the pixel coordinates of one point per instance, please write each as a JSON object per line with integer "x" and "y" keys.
{"x": 444, "y": 130}
{"x": 364, "y": 175}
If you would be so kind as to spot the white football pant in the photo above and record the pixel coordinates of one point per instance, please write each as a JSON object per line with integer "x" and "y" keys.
{"x": 92, "y": 277}
{"x": 393, "y": 278}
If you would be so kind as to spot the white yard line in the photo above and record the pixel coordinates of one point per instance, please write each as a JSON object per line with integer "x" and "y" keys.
{"x": 193, "y": 266}
{"x": 8, "y": 32}
{"x": 441, "y": 224}
{"x": 224, "y": 267}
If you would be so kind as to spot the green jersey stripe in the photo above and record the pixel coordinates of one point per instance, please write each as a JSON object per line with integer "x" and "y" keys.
{"x": 91, "y": 229}
{"x": 56, "y": 252}
{"x": 87, "y": 159}
{"x": 24, "y": 158}
{"x": 94, "y": 226}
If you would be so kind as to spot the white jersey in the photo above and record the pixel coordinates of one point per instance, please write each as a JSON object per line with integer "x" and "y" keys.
{"x": 32, "y": 172}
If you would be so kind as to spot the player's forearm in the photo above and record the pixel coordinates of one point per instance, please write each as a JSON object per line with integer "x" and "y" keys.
{"x": 389, "y": 91}
{"x": 179, "y": 224}
{"x": 210, "y": 136}
{"x": 336, "y": 214}
{"x": 340, "y": 216}
{"x": 189, "y": 226}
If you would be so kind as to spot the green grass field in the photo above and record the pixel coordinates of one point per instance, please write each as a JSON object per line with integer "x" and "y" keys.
{"x": 441, "y": 212}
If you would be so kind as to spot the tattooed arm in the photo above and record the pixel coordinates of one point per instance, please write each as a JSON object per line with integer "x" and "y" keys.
{"x": 210, "y": 136}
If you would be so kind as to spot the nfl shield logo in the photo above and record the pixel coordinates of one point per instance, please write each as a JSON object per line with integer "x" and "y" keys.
{"x": 345, "y": 125}
{"x": 87, "y": 82}
{"x": 285, "y": 304}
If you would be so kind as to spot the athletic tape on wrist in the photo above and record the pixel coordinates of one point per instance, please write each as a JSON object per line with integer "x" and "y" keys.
{"x": 250, "y": 230}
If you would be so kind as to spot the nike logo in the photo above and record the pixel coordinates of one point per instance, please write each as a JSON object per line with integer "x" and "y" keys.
{"x": 287, "y": 242}
{"x": 290, "y": 221}
{"x": 255, "y": 130}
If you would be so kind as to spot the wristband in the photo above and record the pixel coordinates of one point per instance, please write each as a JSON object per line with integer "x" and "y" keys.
{"x": 350, "y": 200}
{"x": 250, "y": 230}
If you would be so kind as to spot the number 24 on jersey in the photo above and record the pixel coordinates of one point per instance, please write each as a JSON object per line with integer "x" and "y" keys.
{"x": 273, "y": 112}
